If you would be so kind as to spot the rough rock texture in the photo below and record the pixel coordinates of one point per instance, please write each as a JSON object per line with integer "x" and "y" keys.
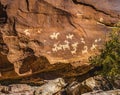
{"x": 111, "y": 92}
{"x": 49, "y": 31}
{"x": 49, "y": 88}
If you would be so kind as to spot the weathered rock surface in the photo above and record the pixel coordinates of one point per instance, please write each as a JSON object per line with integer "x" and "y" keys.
{"x": 49, "y": 88}
{"x": 111, "y": 92}
{"x": 49, "y": 32}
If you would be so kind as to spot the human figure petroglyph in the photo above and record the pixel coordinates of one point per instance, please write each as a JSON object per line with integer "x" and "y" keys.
{"x": 27, "y": 33}
{"x": 74, "y": 46}
{"x": 70, "y": 36}
{"x": 55, "y": 35}
{"x": 67, "y": 42}
{"x": 85, "y": 50}
{"x": 17, "y": 67}
{"x": 59, "y": 47}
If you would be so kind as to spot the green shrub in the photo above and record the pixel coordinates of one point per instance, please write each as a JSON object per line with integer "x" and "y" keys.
{"x": 109, "y": 57}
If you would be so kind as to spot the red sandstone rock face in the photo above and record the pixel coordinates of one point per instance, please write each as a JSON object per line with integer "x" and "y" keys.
{"x": 62, "y": 31}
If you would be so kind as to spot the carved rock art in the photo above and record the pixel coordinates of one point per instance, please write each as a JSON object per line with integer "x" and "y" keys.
{"x": 55, "y": 35}
{"x": 70, "y": 36}
{"x": 85, "y": 50}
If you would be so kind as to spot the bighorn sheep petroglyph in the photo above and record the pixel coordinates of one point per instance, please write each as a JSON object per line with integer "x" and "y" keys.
{"x": 66, "y": 46}
{"x": 55, "y": 35}
{"x": 70, "y": 36}
{"x": 17, "y": 67}
{"x": 85, "y": 50}
{"x": 97, "y": 40}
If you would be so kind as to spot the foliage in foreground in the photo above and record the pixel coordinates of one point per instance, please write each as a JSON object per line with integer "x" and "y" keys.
{"x": 109, "y": 57}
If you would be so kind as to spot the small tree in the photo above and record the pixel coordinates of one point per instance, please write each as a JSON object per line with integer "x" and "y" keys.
{"x": 109, "y": 57}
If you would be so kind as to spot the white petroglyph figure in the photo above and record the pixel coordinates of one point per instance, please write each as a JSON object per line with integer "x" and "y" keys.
{"x": 85, "y": 50}
{"x": 75, "y": 45}
{"x": 93, "y": 47}
{"x": 56, "y": 47}
{"x": 66, "y": 46}
{"x": 59, "y": 47}
{"x": 74, "y": 51}
{"x": 27, "y": 33}
{"x": 17, "y": 67}
{"x": 83, "y": 40}
{"x": 55, "y": 35}
{"x": 70, "y": 36}
{"x": 79, "y": 14}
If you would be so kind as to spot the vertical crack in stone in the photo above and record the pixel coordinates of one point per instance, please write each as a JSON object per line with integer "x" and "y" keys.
{"x": 27, "y": 5}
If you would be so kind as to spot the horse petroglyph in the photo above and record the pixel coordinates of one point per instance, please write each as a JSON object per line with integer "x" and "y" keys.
{"x": 55, "y": 35}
